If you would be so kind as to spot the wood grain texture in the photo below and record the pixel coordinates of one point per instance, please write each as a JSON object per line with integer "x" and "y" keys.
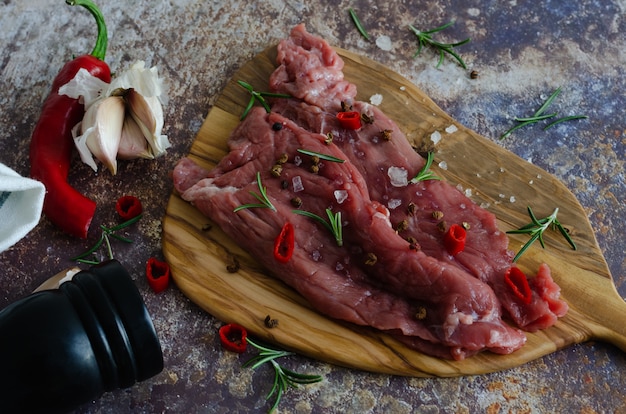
{"x": 203, "y": 258}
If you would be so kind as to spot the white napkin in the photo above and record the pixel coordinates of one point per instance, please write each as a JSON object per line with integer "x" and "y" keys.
{"x": 21, "y": 201}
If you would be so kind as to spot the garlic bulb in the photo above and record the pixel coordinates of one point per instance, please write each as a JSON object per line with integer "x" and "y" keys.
{"x": 123, "y": 119}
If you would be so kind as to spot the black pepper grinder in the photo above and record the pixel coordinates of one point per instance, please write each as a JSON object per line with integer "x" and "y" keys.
{"x": 65, "y": 347}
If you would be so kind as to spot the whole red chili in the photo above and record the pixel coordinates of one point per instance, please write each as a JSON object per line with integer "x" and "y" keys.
{"x": 517, "y": 281}
{"x": 349, "y": 120}
{"x": 284, "y": 243}
{"x": 454, "y": 239}
{"x": 233, "y": 337}
{"x": 128, "y": 207}
{"x": 157, "y": 274}
{"x": 52, "y": 143}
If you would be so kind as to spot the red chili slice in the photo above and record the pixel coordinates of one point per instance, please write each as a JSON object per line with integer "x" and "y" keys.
{"x": 128, "y": 207}
{"x": 158, "y": 274}
{"x": 454, "y": 239}
{"x": 349, "y": 120}
{"x": 233, "y": 337}
{"x": 284, "y": 243}
{"x": 518, "y": 282}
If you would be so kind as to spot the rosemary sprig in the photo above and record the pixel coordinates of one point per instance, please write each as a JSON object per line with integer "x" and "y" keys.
{"x": 424, "y": 38}
{"x": 425, "y": 173}
{"x": 333, "y": 224}
{"x": 320, "y": 155}
{"x": 104, "y": 239}
{"x": 357, "y": 23}
{"x": 258, "y": 96}
{"x": 537, "y": 227}
{"x": 283, "y": 377}
{"x": 264, "y": 201}
{"x": 540, "y": 116}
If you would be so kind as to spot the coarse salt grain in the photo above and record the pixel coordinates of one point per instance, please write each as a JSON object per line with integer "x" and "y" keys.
{"x": 384, "y": 42}
{"x": 340, "y": 195}
{"x": 297, "y": 160}
{"x": 394, "y": 203}
{"x": 297, "y": 184}
{"x": 398, "y": 176}
{"x": 376, "y": 99}
{"x": 512, "y": 199}
{"x": 435, "y": 137}
{"x": 443, "y": 165}
{"x": 451, "y": 129}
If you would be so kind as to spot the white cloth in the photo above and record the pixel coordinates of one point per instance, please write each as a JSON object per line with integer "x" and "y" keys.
{"x": 21, "y": 202}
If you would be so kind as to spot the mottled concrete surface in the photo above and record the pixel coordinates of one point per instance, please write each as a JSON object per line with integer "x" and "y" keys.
{"x": 522, "y": 51}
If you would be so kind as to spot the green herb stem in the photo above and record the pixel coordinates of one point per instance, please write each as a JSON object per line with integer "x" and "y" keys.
{"x": 333, "y": 224}
{"x": 357, "y": 23}
{"x": 283, "y": 377}
{"x": 425, "y": 173}
{"x": 264, "y": 201}
{"x": 424, "y": 38}
{"x": 536, "y": 229}
{"x": 104, "y": 239}
{"x": 320, "y": 155}
{"x": 258, "y": 96}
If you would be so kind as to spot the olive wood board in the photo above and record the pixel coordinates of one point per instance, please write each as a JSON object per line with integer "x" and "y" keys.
{"x": 220, "y": 277}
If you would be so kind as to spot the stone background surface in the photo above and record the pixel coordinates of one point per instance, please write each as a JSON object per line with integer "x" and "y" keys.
{"x": 522, "y": 51}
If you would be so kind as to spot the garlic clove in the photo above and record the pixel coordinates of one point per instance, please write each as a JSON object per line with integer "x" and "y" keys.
{"x": 148, "y": 114}
{"x": 133, "y": 144}
{"x": 102, "y": 129}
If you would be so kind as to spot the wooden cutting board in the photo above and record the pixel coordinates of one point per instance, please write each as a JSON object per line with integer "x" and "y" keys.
{"x": 215, "y": 273}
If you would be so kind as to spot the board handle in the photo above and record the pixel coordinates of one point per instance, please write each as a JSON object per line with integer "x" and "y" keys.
{"x": 606, "y": 311}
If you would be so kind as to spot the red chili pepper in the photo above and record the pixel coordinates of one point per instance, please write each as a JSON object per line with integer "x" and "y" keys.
{"x": 52, "y": 143}
{"x": 517, "y": 281}
{"x": 128, "y": 207}
{"x": 158, "y": 274}
{"x": 284, "y": 243}
{"x": 233, "y": 337}
{"x": 349, "y": 120}
{"x": 454, "y": 239}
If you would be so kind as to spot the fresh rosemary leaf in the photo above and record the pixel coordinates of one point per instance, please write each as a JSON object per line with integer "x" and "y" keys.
{"x": 264, "y": 201}
{"x": 536, "y": 229}
{"x": 333, "y": 224}
{"x": 320, "y": 155}
{"x": 258, "y": 96}
{"x": 424, "y": 38}
{"x": 357, "y": 23}
{"x": 564, "y": 119}
{"x": 425, "y": 173}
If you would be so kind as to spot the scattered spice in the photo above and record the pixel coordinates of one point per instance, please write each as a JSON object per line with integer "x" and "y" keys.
{"x": 454, "y": 239}
{"x": 421, "y": 313}
{"x": 277, "y": 170}
{"x": 385, "y": 134}
{"x": 367, "y": 119}
{"x": 277, "y": 126}
{"x": 424, "y": 38}
{"x": 518, "y": 282}
{"x": 157, "y": 274}
{"x": 442, "y": 226}
{"x": 314, "y": 168}
{"x": 537, "y": 227}
{"x": 474, "y": 74}
{"x": 234, "y": 338}
{"x": 402, "y": 226}
{"x": 371, "y": 259}
{"x": 411, "y": 208}
{"x": 233, "y": 266}
{"x": 349, "y": 120}
{"x": 345, "y": 107}
{"x": 466, "y": 225}
{"x": 284, "y": 243}
{"x": 296, "y": 202}
{"x": 413, "y": 245}
{"x": 128, "y": 207}
{"x": 270, "y": 323}
{"x": 329, "y": 138}
{"x": 437, "y": 215}
{"x": 283, "y": 377}
{"x": 283, "y": 158}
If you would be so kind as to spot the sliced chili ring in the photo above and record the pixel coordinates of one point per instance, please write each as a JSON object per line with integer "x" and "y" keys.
{"x": 128, "y": 207}
{"x": 349, "y": 119}
{"x": 284, "y": 243}
{"x": 518, "y": 282}
{"x": 233, "y": 337}
{"x": 157, "y": 274}
{"x": 454, "y": 239}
